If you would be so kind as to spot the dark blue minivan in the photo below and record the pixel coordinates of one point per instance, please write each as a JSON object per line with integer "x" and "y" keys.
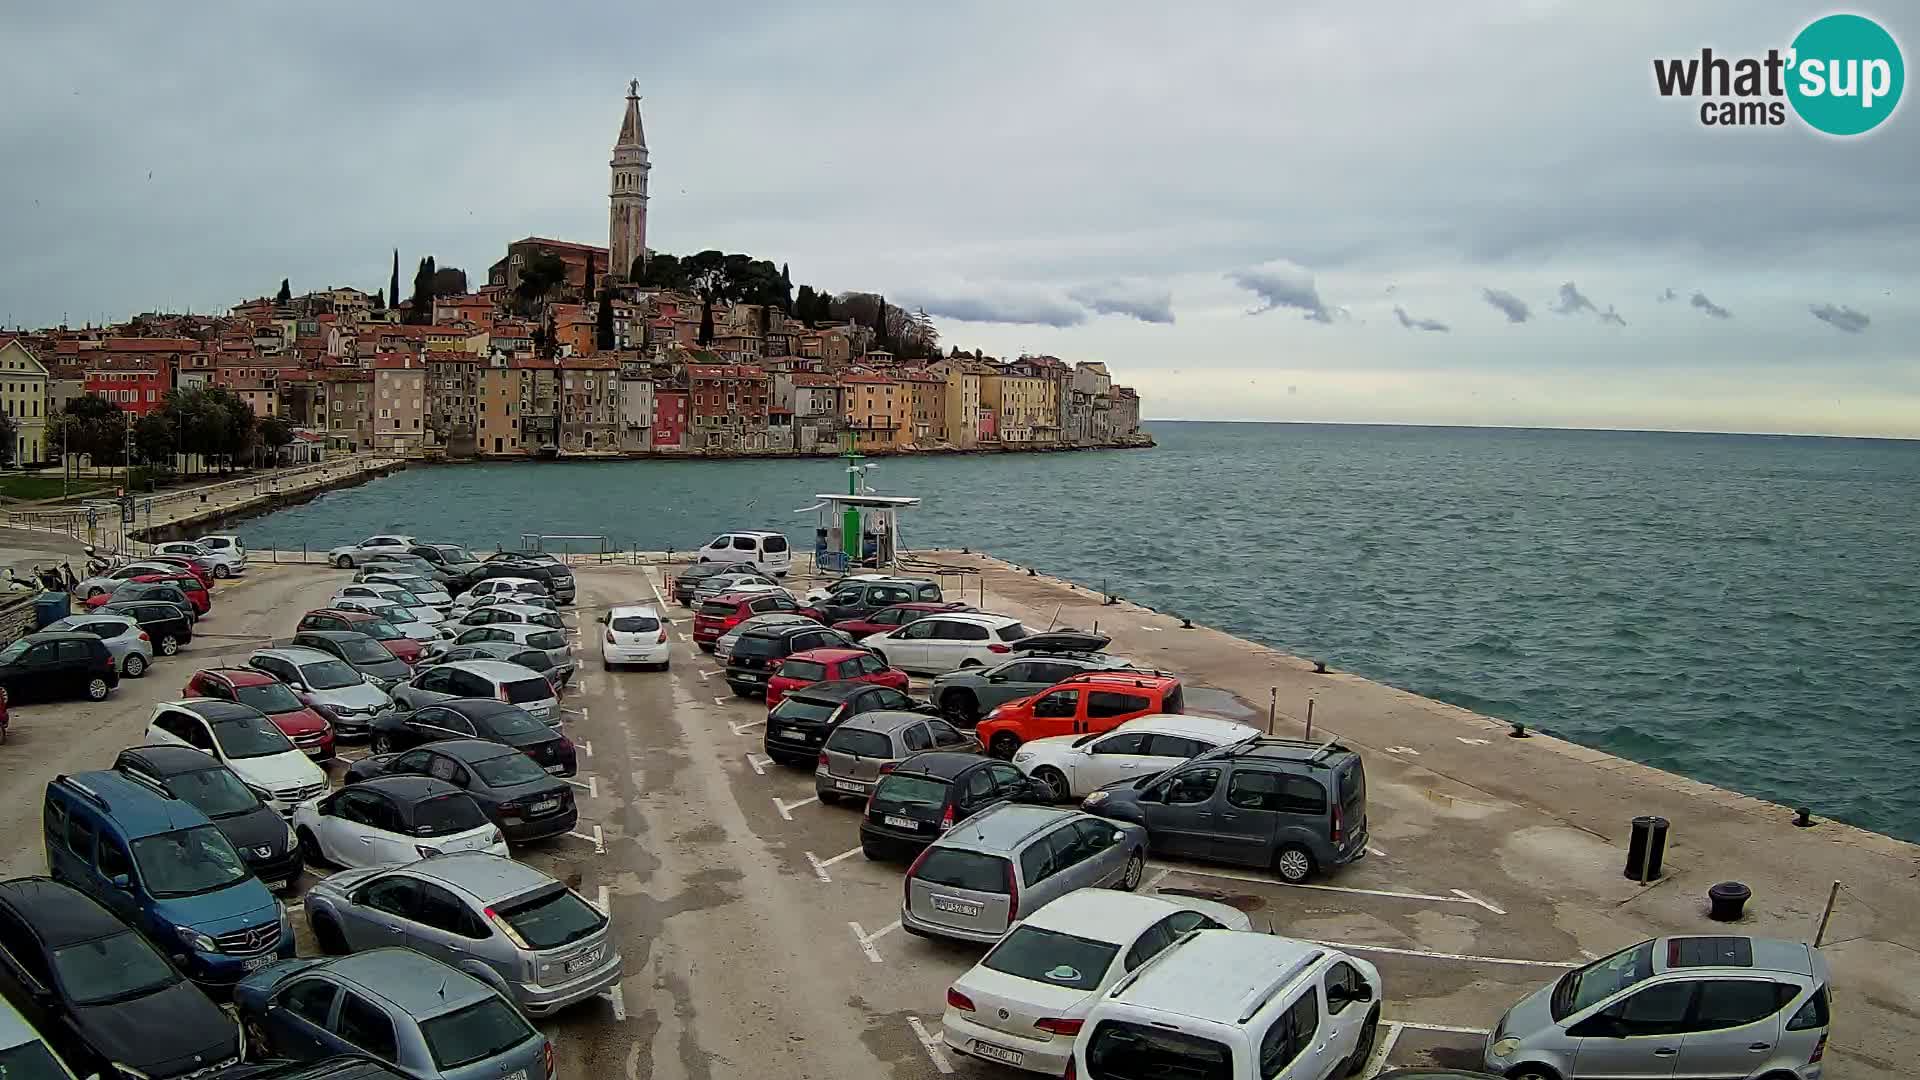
{"x": 165, "y": 869}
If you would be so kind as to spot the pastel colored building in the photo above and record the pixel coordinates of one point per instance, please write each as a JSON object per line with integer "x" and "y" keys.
{"x": 23, "y": 396}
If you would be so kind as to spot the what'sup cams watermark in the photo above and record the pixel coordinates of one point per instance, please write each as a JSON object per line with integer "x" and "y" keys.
{"x": 1842, "y": 75}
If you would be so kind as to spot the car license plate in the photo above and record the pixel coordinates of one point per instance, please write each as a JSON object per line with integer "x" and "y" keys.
{"x": 276, "y": 886}
{"x": 255, "y": 963}
{"x": 517, "y": 1074}
{"x": 849, "y": 785}
{"x": 545, "y": 805}
{"x": 584, "y": 961}
{"x": 315, "y": 752}
{"x": 901, "y": 822}
{"x": 556, "y": 769}
{"x": 748, "y": 676}
{"x": 955, "y": 906}
{"x": 996, "y": 1053}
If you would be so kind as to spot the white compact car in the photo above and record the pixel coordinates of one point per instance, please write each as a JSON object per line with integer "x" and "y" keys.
{"x": 1238, "y": 1006}
{"x": 380, "y": 592}
{"x": 635, "y": 634}
{"x": 223, "y": 562}
{"x": 225, "y": 544}
{"x": 1072, "y": 766}
{"x": 1024, "y": 1002}
{"x": 431, "y": 593}
{"x": 346, "y": 555}
{"x": 401, "y": 618}
{"x": 394, "y": 819}
{"x": 244, "y": 740}
{"x": 948, "y": 642}
{"x": 496, "y": 587}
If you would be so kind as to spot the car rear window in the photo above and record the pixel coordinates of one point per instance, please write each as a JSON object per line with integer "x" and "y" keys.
{"x": 810, "y": 670}
{"x": 756, "y": 645}
{"x": 551, "y": 918}
{"x": 901, "y": 790}
{"x": 509, "y": 769}
{"x": 860, "y": 743}
{"x": 1053, "y": 958}
{"x": 1013, "y": 632}
{"x": 445, "y": 815}
{"x": 1123, "y": 1051}
{"x": 714, "y": 609}
{"x": 773, "y": 545}
{"x": 1353, "y": 784}
{"x": 521, "y": 691}
{"x": 547, "y": 639}
{"x": 635, "y": 624}
{"x": 531, "y": 658}
{"x": 30, "y": 1061}
{"x": 474, "y": 1033}
{"x": 1174, "y": 702}
{"x": 801, "y": 708}
{"x": 957, "y": 869}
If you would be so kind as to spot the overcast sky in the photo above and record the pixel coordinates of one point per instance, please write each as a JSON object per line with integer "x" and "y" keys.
{"x": 1477, "y": 212}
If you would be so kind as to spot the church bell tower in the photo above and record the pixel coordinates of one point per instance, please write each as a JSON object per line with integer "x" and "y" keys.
{"x": 627, "y": 214}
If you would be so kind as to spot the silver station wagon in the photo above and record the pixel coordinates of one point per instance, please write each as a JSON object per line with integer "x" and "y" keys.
{"x": 1012, "y": 860}
{"x": 501, "y": 921}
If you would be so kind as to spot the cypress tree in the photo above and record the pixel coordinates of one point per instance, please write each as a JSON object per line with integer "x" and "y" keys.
{"x": 285, "y": 295}
{"x": 603, "y": 323}
{"x": 706, "y": 319}
{"x": 393, "y": 286}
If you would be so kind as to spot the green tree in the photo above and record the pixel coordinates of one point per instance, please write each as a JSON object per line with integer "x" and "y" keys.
{"x": 393, "y": 286}
{"x": 446, "y": 281}
{"x": 603, "y": 339}
{"x": 803, "y": 303}
{"x": 155, "y": 439}
{"x": 92, "y": 426}
{"x": 285, "y": 295}
{"x": 706, "y": 319}
{"x": 8, "y": 437}
{"x": 538, "y": 279}
{"x": 275, "y": 433}
{"x": 786, "y": 290}
{"x": 882, "y": 339}
{"x": 380, "y": 299}
{"x": 420, "y": 305}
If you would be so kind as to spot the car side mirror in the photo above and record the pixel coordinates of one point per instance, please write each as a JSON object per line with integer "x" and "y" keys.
{"x": 369, "y": 680}
{"x": 1361, "y": 993}
{"x": 121, "y": 882}
{"x": 996, "y": 678}
{"x": 298, "y": 686}
{"x": 1120, "y": 837}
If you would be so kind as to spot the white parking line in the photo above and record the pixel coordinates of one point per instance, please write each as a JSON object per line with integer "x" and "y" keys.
{"x": 866, "y": 940}
{"x": 617, "y": 998}
{"x": 1154, "y": 881}
{"x": 591, "y": 787}
{"x": 1377, "y": 1061}
{"x": 820, "y": 865}
{"x": 759, "y": 762}
{"x": 1467, "y": 958}
{"x": 720, "y": 701}
{"x": 705, "y": 675}
{"x": 1458, "y": 897}
{"x": 742, "y": 729}
{"x": 603, "y": 904}
{"x": 932, "y": 1044}
{"x": 598, "y": 840}
{"x": 585, "y": 745}
{"x": 1371, "y": 850}
{"x": 580, "y": 712}
{"x": 1447, "y": 1028}
{"x": 786, "y": 808}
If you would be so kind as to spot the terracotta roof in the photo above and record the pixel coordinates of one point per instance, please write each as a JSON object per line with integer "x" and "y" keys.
{"x": 397, "y": 362}
{"x": 123, "y": 363}
{"x": 807, "y": 379}
{"x": 866, "y": 377}
{"x": 724, "y": 371}
{"x": 564, "y": 245}
{"x": 135, "y": 344}
{"x": 590, "y": 363}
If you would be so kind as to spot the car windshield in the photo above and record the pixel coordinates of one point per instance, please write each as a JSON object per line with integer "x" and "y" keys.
{"x": 364, "y": 651}
{"x": 393, "y": 613}
{"x": 31, "y": 1061}
{"x": 801, "y": 708}
{"x": 1601, "y": 979}
{"x": 455, "y": 554}
{"x": 475, "y": 1033}
{"x": 379, "y": 630}
{"x": 547, "y": 639}
{"x": 634, "y": 624}
{"x": 269, "y": 698}
{"x": 14, "y": 651}
{"x": 250, "y": 737}
{"x": 508, "y": 770}
{"x": 188, "y": 862}
{"x": 551, "y": 918}
{"x": 901, "y": 790}
{"x": 1123, "y": 1051}
{"x": 445, "y": 815}
{"x": 113, "y": 968}
{"x": 1048, "y": 956}
{"x": 509, "y": 722}
{"x": 216, "y": 793}
{"x": 329, "y": 675}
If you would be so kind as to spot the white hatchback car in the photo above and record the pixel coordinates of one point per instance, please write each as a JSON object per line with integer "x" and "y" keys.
{"x": 948, "y": 642}
{"x": 1074, "y": 765}
{"x": 381, "y": 592}
{"x": 224, "y": 562}
{"x": 221, "y": 545}
{"x": 1238, "y": 1006}
{"x": 497, "y": 586}
{"x": 1024, "y": 1002}
{"x": 394, "y": 819}
{"x": 635, "y": 634}
{"x": 244, "y": 740}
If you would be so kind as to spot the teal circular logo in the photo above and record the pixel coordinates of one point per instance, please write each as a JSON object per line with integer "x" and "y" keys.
{"x": 1846, "y": 75}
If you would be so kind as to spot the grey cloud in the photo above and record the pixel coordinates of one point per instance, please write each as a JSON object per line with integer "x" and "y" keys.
{"x": 1135, "y": 300}
{"x": 1283, "y": 284}
{"x": 1572, "y": 301}
{"x": 1412, "y": 323}
{"x": 1841, "y": 317}
{"x": 1613, "y": 317}
{"x": 1700, "y": 301}
{"x": 1667, "y": 295}
{"x": 997, "y": 306}
{"x": 1514, "y": 308}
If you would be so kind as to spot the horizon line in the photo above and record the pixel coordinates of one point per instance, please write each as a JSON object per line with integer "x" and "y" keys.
{"x": 1144, "y": 421}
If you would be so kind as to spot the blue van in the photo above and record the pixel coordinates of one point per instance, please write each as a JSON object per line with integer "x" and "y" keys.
{"x": 165, "y": 869}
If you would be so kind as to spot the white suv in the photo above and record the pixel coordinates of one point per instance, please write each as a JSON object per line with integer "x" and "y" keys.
{"x": 1239, "y": 1006}
{"x": 947, "y": 642}
{"x": 764, "y": 551}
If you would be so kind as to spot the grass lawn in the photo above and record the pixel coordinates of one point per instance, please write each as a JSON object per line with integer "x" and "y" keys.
{"x": 30, "y": 486}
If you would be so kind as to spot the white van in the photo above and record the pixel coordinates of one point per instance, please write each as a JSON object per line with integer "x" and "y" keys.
{"x": 764, "y": 551}
{"x": 1237, "y": 1006}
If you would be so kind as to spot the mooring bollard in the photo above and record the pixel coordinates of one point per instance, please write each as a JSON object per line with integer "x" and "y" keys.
{"x": 1646, "y": 849}
{"x": 1803, "y": 818}
{"x": 1519, "y": 731}
{"x": 1727, "y": 901}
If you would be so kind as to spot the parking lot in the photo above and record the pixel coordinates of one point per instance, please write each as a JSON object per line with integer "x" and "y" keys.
{"x": 758, "y": 940}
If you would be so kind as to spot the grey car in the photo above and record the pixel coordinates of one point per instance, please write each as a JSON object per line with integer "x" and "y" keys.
{"x": 131, "y": 646}
{"x": 512, "y": 652}
{"x": 1729, "y": 1006}
{"x": 1291, "y": 806}
{"x": 726, "y": 583}
{"x": 966, "y": 695}
{"x": 323, "y": 679}
{"x": 411, "y": 1012}
{"x": 723, "y": 645}
{"x": 865, "y": 746}
{"x": 495, "y": 679}
{"x": 1009, "y": 862}
{"x": 501, "y": 921}
{"x": 548, "y": 640}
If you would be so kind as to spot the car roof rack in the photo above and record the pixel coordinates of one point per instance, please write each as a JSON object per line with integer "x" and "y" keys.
{"x": 85, "y": 792}
{"x": 1122, "y": 673}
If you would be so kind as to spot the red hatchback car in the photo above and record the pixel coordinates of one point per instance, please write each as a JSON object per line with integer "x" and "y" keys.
{"x": 826, "y": 665}
{"x": 297, "y": 720}
{"x": 195, "y": 592}
{"x": 728, "y": 610}
{"x": 192, "y": 566}
{"x": 894, "y": 617}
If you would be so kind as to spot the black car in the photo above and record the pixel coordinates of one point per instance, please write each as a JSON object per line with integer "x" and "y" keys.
{"x": 689, "y": 579}
{"x": 165, "y": 624}
{"x": 344, "y": 1067}
{"x": 859, "y": 599}
{"x": 476, "y": 718}
{"x": 538, "y": 565}
{"x": 361, "y": 652}
{"x": 57, "y": 664}
{"x": 758, "y": 653}
{"x": 927, "y": 794}
{"x": 194, "y": 777}
{"x": 800, "y": 724}
{"x": 415, "y": 807}
{"x": 517, "y": 794}
{"x": 105, "y": 999}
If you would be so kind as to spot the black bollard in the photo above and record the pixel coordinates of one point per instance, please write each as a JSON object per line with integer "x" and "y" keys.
{"x": 1519, "y": 731}
{"x": 1803, "y": 818}
{"x": 1727, "y": 901}
{"x": 1647, "y": 848}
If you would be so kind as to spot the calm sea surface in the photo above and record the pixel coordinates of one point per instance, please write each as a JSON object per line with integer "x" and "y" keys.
{"x": 1740, "y": 609}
